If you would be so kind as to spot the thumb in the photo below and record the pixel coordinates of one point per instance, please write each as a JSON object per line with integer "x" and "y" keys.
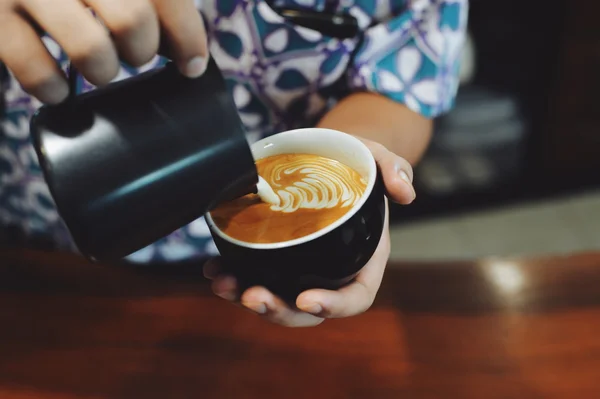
{"x": 396, "y": 171}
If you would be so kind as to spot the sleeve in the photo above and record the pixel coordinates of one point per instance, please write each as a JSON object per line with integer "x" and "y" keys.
{"x": 414, "y": 56}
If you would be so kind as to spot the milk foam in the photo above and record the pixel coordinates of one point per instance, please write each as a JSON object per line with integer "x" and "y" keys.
{"x": 321, "y": 184}
{"x": 266, "y": 193}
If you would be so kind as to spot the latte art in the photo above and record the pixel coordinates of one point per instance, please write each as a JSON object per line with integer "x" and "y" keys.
{"x": 325, "y": 183}
{"x": 313, "y": 192}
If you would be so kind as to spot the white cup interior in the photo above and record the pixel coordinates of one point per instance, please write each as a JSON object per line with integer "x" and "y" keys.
{"x": 323, "y": 142}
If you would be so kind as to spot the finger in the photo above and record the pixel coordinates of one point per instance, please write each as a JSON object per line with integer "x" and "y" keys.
{"x": 134, "y": 26}
{"x": 355, "y": 298}
{"x": 211, "y": 269}
{"x": 85, "y": 41}
{"x": 225, "y": 287}
{"x": 397, "y": 174}
{"x": 261, "y": 301}
{"x": 185, "y": 31}
{"x": 28, "y": 59}
{"x": 348, "y": 301}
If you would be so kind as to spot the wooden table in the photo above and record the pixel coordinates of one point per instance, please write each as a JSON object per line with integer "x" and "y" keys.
{"x": 495, "y": 329}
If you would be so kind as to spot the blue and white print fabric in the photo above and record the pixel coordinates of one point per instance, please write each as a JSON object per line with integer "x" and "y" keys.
{"x": 281, "y": 76}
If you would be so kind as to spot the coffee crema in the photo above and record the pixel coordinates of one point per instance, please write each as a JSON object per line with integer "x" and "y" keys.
{"x": 314, "y": 192}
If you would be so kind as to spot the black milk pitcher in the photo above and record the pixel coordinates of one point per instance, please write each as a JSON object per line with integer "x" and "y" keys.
{"x": 129, "y": 163}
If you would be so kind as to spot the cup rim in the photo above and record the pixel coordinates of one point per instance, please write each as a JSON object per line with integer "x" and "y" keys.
{"x": 372, "y": 177}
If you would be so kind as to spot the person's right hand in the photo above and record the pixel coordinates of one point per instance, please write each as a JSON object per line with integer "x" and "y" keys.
{"x": 132, "y": 31}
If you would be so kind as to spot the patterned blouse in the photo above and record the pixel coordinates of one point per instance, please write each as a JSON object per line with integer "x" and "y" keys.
{"x": 280, "y": 75}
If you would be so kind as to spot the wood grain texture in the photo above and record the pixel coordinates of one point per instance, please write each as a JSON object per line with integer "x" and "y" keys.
{"x": 493, "y": 329}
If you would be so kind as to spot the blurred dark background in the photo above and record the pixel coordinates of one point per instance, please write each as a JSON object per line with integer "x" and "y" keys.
{"x": 525, "y": 123}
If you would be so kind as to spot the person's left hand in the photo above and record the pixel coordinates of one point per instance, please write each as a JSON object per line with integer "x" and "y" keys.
{"x": 314, "y": 306}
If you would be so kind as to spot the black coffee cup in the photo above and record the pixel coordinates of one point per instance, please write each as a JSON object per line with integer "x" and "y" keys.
{"x": 328, "y": 258}
{"x": 130, "y": 163}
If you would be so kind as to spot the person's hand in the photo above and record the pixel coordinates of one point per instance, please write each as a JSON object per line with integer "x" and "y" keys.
{"x": 314, "y": 306}
{"x": 127, "y": 29}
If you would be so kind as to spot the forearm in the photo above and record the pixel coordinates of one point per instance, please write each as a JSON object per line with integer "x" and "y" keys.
{"x": 380, "y": 119}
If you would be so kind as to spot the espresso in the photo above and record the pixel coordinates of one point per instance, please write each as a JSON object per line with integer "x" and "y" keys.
{"x": 314, "y": 192}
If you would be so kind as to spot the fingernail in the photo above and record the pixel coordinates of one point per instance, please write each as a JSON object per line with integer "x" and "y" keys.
{"x": 195, "y": 67}
{"x": 225, "y": 287}
{"x": 54, "y": 90}
{"x": 313, "y": 308}
{"x": 404, "y": 176}
{"x": 257, "y": 307}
